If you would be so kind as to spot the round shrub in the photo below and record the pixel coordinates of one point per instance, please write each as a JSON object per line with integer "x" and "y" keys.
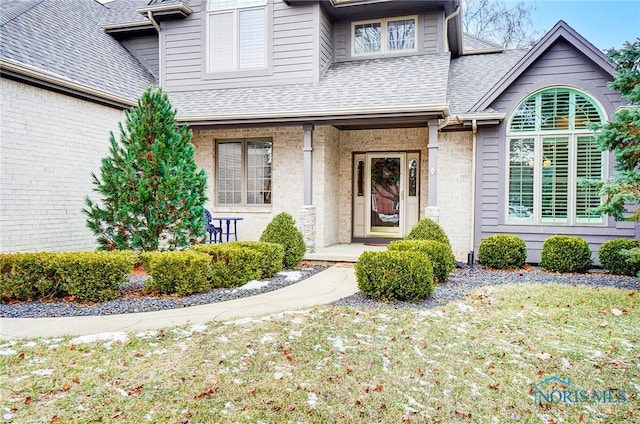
{"x": 282, "y": 230}
{"x": 502, "y": 251}
{"x": 394, "y": 275}
{"x": 440, "y": 254}
{"x": 428, "y": 229}
{"x": 271, "y": 255}
{"x": 566, "y": 254}
{"x": 612, "y": 259}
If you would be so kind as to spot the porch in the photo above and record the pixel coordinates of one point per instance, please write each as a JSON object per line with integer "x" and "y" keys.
{"x": 342, "y": 252}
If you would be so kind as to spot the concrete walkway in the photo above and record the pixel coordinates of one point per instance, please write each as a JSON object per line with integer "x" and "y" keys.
{"x": 324, "y": 287}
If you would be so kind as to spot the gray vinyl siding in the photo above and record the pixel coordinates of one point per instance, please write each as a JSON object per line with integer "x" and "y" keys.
{"x": 290, "y": 56}
{"x": 564, "y": 65}
{"x": 146, "y": 50}
{"x": 428, "y": 34}
{"x": 326, "y": 41}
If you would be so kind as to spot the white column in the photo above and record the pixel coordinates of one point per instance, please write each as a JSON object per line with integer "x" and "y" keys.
{"x": 432, "y": 211}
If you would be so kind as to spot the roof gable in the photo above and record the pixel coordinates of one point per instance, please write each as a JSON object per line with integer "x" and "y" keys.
{"x": 560, "y": 31}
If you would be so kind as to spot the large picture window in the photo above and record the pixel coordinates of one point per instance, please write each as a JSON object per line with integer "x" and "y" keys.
{"x": 551, "y": 149}
{"x": 384, "y": 35}
{"x": 237, "y": 35}
{"x": 243, "y": 172}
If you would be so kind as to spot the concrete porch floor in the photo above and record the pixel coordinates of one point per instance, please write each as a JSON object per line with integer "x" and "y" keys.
{"x": 341, "y": 252}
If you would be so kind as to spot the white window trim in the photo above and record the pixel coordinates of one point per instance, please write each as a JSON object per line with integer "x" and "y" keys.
{"x": 259, "y": 4}
{"x": 537, "y": 137}
{"x": 384, "y": 41}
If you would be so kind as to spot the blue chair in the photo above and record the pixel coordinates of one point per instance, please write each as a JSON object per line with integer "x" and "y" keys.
{"x": 215, "y": 233}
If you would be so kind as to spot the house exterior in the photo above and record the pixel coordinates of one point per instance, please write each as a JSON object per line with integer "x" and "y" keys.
{"x": 356, "y": 117}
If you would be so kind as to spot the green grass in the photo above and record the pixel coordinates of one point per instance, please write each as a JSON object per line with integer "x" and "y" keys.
{"x": 472, "y": 361}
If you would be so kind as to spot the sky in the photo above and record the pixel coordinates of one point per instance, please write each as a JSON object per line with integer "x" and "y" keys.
{"x": 605, "y": 24}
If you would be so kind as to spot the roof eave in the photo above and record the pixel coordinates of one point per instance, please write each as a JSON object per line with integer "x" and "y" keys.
{"x": 168, "y": 11}
{"x": 320, "y": 116}
{"x": 32, "y": 75}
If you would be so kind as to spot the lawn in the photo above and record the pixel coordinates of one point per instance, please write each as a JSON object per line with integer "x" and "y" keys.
{"x": 476, "y": 360}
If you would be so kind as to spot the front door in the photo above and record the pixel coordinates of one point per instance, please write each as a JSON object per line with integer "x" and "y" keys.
{"x": 385, "y": 197}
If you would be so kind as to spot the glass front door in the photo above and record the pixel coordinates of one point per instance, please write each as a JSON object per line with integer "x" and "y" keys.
{"x": 385, "y": 217}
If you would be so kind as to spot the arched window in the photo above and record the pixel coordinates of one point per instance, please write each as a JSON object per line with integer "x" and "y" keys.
{"x": 551, "y": 148}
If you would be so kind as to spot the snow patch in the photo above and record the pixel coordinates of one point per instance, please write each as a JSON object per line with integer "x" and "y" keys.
{"x": 291, "y": 276}
{"x": 30, "y": 344}
{"x": 463, "y": 307}
{"x": 267, "y": 338}
{"x": 254, "y": 284}
{"x": 43, "y": 373}
{"x": 150, "y": 334}
{"x": 293, "y": 334}
{"x": 337, "y": 343}
{"x": 7, "y": 352}
{"x": 312, "y": 399}
{"x": 109, "y": 338}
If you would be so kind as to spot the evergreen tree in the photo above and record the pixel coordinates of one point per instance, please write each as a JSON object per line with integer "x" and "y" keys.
{"x": 622, "y": 136}
{"x": 152, "y": 194}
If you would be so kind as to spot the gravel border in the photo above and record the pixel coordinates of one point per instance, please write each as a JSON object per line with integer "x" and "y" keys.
{"x": 464, "y": 279}
{"x": 134, "y": 300}
{"x": 461, "y": 281}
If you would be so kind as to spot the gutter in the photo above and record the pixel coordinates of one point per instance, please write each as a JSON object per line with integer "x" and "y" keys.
{"x": 35, "y": 75}
{"x": 326, "y": 114}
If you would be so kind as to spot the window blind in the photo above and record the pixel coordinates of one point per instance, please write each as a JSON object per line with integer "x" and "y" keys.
{"x": 229, "y": 173}
{"x": 251, "y": 38}
{"x": 589, "y": 165}
{"x": 555, "y": 179}
{"x": 521, "y": 161}
{"x": 221, "y": 41}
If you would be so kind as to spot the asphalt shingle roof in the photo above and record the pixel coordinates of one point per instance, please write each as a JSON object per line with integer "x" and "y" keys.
{"x": 409, "y": 81}
{"x": 471, "y": 77}
{"x": 473, "y": 43}
{"x": 65, "y": 38}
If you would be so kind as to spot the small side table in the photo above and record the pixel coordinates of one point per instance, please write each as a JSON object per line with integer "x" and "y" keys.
{"x": 226, "y": 230}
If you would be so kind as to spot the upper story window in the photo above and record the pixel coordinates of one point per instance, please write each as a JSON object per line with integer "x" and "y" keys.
{"x": 237, "y": 35}
{"x": 384, "y": 35}
{"x": 550, "y": 150}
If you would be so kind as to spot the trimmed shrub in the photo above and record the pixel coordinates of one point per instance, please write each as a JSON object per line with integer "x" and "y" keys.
{"x": 566, "y": 254}
{"x": 89, "y": 276}
{"x": 231, "y": 265}
{"x": 177, "y": 272}
{"x": 282, "y": 230}
{"x": 502, "y": 251}
{"x": 613, "y": 258}
{"x": 93, "y": 276}
{"x": 394, "y": 275}
{"x": 428, "y": 229}
{"x": 28, "y": 276}
{"x": 272, "y": 255}
{"x": 440, "y": 254}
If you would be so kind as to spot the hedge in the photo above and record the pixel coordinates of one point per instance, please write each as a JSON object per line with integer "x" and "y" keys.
{"x": 566, "y": 254}
{"x": 177, "y": 272}
{"x": 613, "y": 258}
{"x": 231, "y": 265}
{"x": 88, "y": 276}
{"x": 271, "y": 256}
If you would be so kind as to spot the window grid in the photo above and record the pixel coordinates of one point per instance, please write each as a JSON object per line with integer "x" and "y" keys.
{"x": 384, "y": 36}
{"x": 244, "y": 172}
{"x": 546, "y": 168}
{"x": 237, "y": 35}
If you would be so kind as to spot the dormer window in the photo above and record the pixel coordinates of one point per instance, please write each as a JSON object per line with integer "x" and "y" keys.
{"x": 384, "y": 35}
{"x": 237, "y": 35}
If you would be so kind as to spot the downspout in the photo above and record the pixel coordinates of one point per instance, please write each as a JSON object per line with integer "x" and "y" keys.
{"x": 153, "y": 21}
{"x": 446, "y": 27}
{"x": 157, "y": 27}
{"x": 474, "y": 140}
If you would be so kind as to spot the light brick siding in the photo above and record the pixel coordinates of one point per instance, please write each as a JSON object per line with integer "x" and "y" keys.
{"x": 387, "y": 140}
{"x": 332, "y": 177}
{"x": 454, "y": 189}
{"x": 49, "y": 145}
{"x": 287, "y": 175}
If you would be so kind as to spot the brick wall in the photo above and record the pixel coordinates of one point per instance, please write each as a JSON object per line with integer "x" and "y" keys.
{"x": 287, "y": 172}
{"x": 454, "y": 189}
{"x": 50, "y": 144}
